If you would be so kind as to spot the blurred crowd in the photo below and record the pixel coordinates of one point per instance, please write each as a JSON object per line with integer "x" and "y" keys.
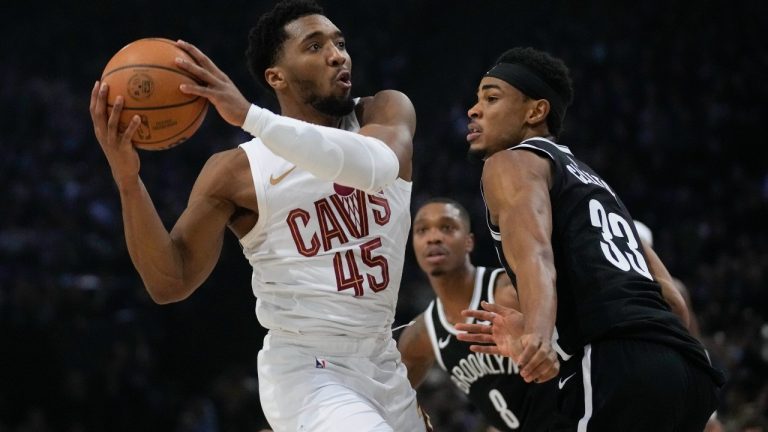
{"x": 670, "y": 103}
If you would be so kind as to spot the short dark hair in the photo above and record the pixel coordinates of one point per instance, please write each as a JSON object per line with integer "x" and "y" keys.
{"x": 463, "y": 213}
{"x": 551, "y": 70}
{"x": 266, "y": 38}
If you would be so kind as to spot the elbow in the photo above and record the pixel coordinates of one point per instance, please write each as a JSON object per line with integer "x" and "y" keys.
{"x": 160, "y": 299}
{"x": 380, "y": 182}
{"x": 682, "y": 312}
{"x": 677, "y": 305}
{"x": 389, "y": 172}
{"x": 166, "y": 294}
{"x": 384, "y": 167}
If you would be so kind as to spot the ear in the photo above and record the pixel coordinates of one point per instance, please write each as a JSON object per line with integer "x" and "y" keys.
{"x": 538, "y": 111}
{"x": 470, "y": 243}
{"x": 275, "y": 77}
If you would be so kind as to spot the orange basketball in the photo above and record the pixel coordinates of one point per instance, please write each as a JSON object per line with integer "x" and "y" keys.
{"x": 144, "y": 72}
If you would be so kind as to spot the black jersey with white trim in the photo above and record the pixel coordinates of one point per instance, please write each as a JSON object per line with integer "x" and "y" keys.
{"x": 604, "y": 286}
{"x": 491, "y": 382}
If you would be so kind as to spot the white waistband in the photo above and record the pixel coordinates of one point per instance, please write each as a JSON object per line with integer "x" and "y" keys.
{"x": 330, "y": 345}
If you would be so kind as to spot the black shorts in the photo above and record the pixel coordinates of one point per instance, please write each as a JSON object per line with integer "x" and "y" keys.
{"x": 633, "y": 385}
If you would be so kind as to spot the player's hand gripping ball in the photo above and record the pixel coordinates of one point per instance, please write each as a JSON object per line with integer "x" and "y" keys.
{"x": 144, "y": 72}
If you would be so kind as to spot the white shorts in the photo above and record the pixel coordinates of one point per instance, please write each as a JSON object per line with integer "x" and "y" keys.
{"x": 319, "y": 384}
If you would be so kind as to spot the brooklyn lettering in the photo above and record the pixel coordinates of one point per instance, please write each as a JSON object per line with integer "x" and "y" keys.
{"x": 476, "y": 365}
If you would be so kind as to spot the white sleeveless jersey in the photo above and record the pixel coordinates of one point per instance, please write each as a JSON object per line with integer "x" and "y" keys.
{"x": 327, "y": 259}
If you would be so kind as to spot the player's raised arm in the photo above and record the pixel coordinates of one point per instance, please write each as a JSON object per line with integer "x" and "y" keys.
{"x": 172, "y": 265}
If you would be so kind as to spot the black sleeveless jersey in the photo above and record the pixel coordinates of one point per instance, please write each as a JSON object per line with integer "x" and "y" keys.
{"x": 490, "y": 382}
{"x": 604, "y": 286}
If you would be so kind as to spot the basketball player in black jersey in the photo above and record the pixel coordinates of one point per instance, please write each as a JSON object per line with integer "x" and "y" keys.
{"x": 442, "y": 242}
{"x": 570, "y": 248}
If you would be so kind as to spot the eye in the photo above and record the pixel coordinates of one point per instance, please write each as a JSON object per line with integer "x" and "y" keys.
{"x": 342, "y": 44}
{"x": 314, "y": 46}
{"x": 491, "y": 98}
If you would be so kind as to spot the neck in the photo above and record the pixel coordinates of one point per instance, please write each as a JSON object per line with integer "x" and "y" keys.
{"x": 307, "y": 113}
{"x": 455, "y": 289}
{"x": 540, "y": 131}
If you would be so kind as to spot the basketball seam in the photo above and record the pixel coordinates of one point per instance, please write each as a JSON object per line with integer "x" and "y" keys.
{"x": 152, "y": 66}
{"x": 157, "y": 107}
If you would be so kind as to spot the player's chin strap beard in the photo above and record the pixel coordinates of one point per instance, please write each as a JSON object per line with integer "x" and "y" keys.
{"x": 529, "y": 84}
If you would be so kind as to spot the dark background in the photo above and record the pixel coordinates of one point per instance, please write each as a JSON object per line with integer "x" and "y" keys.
{"x": 669, "y": 108}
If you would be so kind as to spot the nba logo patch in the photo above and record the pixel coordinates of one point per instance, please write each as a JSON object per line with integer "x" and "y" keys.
{"x": 320, "y": 363}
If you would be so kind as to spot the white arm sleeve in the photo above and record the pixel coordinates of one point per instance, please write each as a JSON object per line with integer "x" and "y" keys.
{"x": 337, "y": 155}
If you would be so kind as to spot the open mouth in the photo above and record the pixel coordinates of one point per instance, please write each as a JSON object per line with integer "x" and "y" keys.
{"x": 436, "y": 255}
{"x": 344, "y": 79}
{"x": 474, "y": 132}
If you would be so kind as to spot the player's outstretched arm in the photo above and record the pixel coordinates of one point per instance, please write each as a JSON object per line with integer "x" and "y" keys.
{"x": 498, "y": 330}
{"x": 516, "y": 185}
{"x": 416, "y": 351}
{"x": 172, "y": 265}
{"x": 369, "y": 160}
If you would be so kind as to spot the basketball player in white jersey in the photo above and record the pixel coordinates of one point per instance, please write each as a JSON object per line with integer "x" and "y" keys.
{"x": 320, "y": 202}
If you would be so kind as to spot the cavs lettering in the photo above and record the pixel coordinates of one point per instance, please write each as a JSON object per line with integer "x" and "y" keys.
{"x": 331, "y": 223}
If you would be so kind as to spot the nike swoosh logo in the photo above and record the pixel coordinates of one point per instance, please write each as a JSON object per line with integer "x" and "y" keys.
{"x": 442, "y": 343}
{"x": 275, "y": 180}
{"x": 561, "y": 382}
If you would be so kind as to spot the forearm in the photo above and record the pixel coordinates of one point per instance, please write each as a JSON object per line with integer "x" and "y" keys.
{"x": 669, "y": 290}
{"x": 150, "y": 246}
{"x": 537, "y": 294}
{"x": 417, "y": 372}
{"x": 674, "y": 299}
{"x": 416, "y": 351}
{"x": 331, "y": 154}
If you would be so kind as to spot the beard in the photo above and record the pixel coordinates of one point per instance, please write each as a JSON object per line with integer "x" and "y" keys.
{"x": 437, "y": 272}
{"x": 334, "y": 106}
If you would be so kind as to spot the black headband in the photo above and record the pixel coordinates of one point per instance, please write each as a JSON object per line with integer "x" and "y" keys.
{"x": 530, "y": 84}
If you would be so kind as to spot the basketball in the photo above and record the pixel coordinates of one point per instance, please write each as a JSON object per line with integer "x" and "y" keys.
{"x": 144, "y": 72}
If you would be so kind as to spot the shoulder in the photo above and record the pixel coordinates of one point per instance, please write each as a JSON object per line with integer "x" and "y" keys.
{"x": 385, "y": 105}
{"x": 226, "y": 162}
{"x": 223, "y": 173}
{"x": 518, "y": 157}
{"x": 515, "y": 166}
{"x": 386, "y": 97}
